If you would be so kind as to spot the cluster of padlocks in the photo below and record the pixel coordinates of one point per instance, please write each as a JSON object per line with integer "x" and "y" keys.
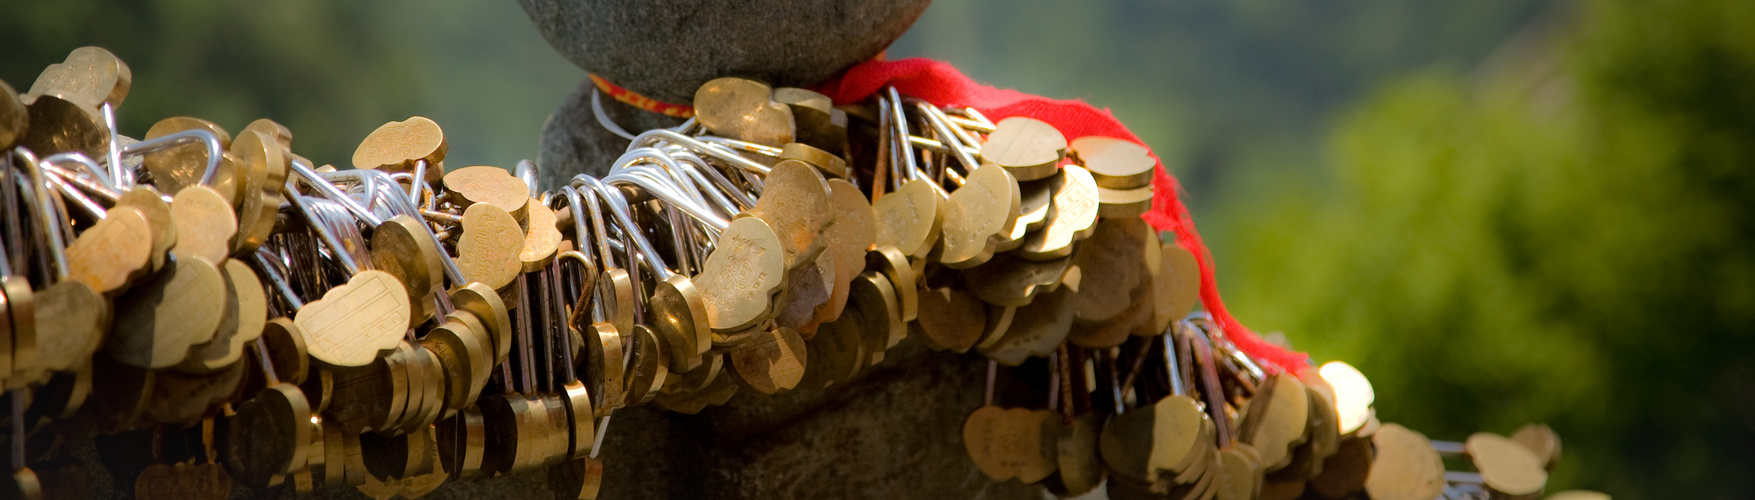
{"x": 260, "y": 318}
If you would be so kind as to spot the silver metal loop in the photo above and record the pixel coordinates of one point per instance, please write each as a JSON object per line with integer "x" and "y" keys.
{"x": 618, "y": 207}
{"x": 382, "y": 187}
{"x": 658, "y": 190}
{"x": 48, "y": 217}
{"x": 712, "y": 181}
{"x": 948, "y": 135}
{"x": 84, "y": 180}
{"x": 90, "y": 167}
{"x": 330, "y": 191}
{"x": 205, "y": 137}
{"x": 647, "y": 155}
{"x": 317, "y": 224}
{"x": 653, "y": 136}
{"x": 525, "y": 171}
{"x": 745, "y": 146}
{"x": 117, "y": 169}
{"x": 608, "y": 124}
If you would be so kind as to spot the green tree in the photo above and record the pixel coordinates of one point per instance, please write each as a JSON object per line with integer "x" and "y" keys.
{"x": 330, "y": 70}
{"x": 1564, "y": 239}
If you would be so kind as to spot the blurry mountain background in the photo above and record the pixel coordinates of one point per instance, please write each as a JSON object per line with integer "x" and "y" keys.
{"x": 1502, "y": 211}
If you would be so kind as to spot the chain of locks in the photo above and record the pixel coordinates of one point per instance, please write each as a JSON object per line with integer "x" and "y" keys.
{"x": 261, "y": 319}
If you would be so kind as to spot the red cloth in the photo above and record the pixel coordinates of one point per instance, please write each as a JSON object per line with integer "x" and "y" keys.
{"x": 941, "y": 84}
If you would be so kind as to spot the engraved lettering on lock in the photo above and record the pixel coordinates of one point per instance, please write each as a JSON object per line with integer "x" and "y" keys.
{"x": 359, "y": 297}
{"x": 897, "y": 218}
{"x": 188, "y": 298}
{"x": 740, "y": 273}
{"x": 353, "y": 322}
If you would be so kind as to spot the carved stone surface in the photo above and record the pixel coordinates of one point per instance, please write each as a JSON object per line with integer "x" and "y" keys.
{"x": 894, "y": 432}
{"x": 664, "y": 49}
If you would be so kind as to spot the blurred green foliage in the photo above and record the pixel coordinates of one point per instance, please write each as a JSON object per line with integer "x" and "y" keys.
{"x": 1563, "y": 238}
{"x": 331, "y": 70}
